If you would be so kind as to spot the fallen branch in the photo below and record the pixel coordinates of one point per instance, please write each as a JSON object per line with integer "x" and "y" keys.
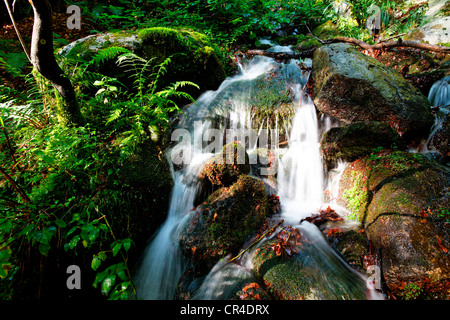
{"x": 392, "y": 44}
{"x": 308, "y": 53}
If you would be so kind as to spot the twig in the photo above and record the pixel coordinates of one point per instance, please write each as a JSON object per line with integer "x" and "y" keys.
{"x": 17, "y": 30}
{"x": 258, "y": 240}
{"x": 22, "y": 193}
{"x": 393, "y": 37}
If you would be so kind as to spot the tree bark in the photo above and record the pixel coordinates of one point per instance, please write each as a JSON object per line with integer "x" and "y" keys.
{"x": 44, "y": 61}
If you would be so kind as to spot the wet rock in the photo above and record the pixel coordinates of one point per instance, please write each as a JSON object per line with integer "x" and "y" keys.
{"x": 225, "y": 168}
{"x": 351, "y": 245}
{"x": 252, "y": 291}
{"x": 351, "y": 86}
{"x": 148, "y": 175}
{"x": 308, "y": 274}
{"x": 356, "y": 140}
{"x": 399, "y": 199}
{"x": 225, "y": 221}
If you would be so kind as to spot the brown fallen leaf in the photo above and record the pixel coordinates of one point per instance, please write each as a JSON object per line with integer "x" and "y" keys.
{"x": 440, "y": 244}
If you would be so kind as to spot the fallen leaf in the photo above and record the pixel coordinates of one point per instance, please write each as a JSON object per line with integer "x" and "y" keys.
{"x": 440, "y": 244}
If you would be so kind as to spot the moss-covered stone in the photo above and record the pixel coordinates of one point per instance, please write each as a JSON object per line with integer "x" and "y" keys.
{"x": 147, "y": 174}
{"x": 193, "y": 56}
{"x": 225, "y": 168}
{"x": 225, "y": 221}
{"x": 398, "y": 197}
{"x": 284, "y": 278}
{"x": 326, "y": 30}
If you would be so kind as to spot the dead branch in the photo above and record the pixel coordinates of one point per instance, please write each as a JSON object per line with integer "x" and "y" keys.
{"x": 392, "y": 44}
{"x": 308, "y": 53}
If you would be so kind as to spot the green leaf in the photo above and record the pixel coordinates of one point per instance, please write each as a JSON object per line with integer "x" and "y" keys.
{"x": 108, "y": 284}
{"x": 44, "y": 248}
{"x": 74, "y": 241}
{"x": 96, "y": 262}
{"x": 60, "y": 223}
{"x": 116, "y": 248}
{"x": 127, "y": 244}
{"x": 93, "y": 234}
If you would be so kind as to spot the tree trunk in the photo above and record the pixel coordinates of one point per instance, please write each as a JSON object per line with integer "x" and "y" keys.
{"x": 44, "y": 61}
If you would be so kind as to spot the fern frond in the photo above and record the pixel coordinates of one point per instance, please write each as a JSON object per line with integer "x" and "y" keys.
{"x": 107, "y": 54}
{"x": 114, "y": 116}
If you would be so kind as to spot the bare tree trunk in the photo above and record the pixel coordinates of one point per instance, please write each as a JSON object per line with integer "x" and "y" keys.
{"x": 44, "y": 61}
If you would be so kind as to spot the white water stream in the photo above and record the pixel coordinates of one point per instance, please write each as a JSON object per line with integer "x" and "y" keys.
{"x": 300, "y": 183}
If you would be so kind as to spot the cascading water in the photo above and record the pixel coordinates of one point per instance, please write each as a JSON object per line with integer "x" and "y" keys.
{"x": 224, "y": 114}
{"x": 439, "y": 97}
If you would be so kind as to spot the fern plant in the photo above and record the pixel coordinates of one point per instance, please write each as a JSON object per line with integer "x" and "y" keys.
{"x": 144, "y": 113}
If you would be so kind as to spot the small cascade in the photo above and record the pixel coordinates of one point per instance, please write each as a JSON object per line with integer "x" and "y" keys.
{"x": 236, "y": 111}
{"x": 163, "y": 263}
{"x": 439, "y": 97}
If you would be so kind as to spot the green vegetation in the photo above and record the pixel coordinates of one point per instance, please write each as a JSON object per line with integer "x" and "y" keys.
{"x": 357, "y": 195}
{"x": 63, "y": 193}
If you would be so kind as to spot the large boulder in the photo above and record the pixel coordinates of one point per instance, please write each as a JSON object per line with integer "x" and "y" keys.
{"x": 436, "y": 29}
{"x": 193, "y": 56}
{"x": 356, "y": 140}
{"x": 402, "y": 201}
{"x": 352, "y": 86}
{"x": 225, "y": 221}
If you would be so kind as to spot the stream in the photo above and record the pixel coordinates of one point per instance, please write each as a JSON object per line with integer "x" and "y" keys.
{"x": 301, "y": 181}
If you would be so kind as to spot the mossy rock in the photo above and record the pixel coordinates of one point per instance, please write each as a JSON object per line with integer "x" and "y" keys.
{"x": 193, "y": 56}
{"x": 356, "y": 140}
{"x": 263, "y": 163}
{"x": 283, "y": 277}
{"x": 306, "y": 275}
{"x": 252, "y": 291}
{"x": 398, "y": 198}
{"x": 300, "y": 42}
{"x": 225, "y": 168}
{"x": 147, "y": 174}
{"x": 221, "y": 225}
{"x": 352, "y": 246}
{"x": 351, "y": 86}
{"x": 420, "y": 68}
{"x": 269, "y": 98}
{"x": 326, "y": 30}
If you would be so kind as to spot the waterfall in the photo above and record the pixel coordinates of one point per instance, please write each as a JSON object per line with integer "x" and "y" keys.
{"x": 439, "y": 97}
{"x": 222, "y": 116}
{"x": 300, "y": 177}
{"x": 163, "y": 263}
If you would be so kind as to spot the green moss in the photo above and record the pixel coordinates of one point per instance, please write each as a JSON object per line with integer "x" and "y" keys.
{"x": 357, "y": 196}
{"x": 326, "y": 31}
{"x": 235, "y": 213}
{"x": 284, "y": 278}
